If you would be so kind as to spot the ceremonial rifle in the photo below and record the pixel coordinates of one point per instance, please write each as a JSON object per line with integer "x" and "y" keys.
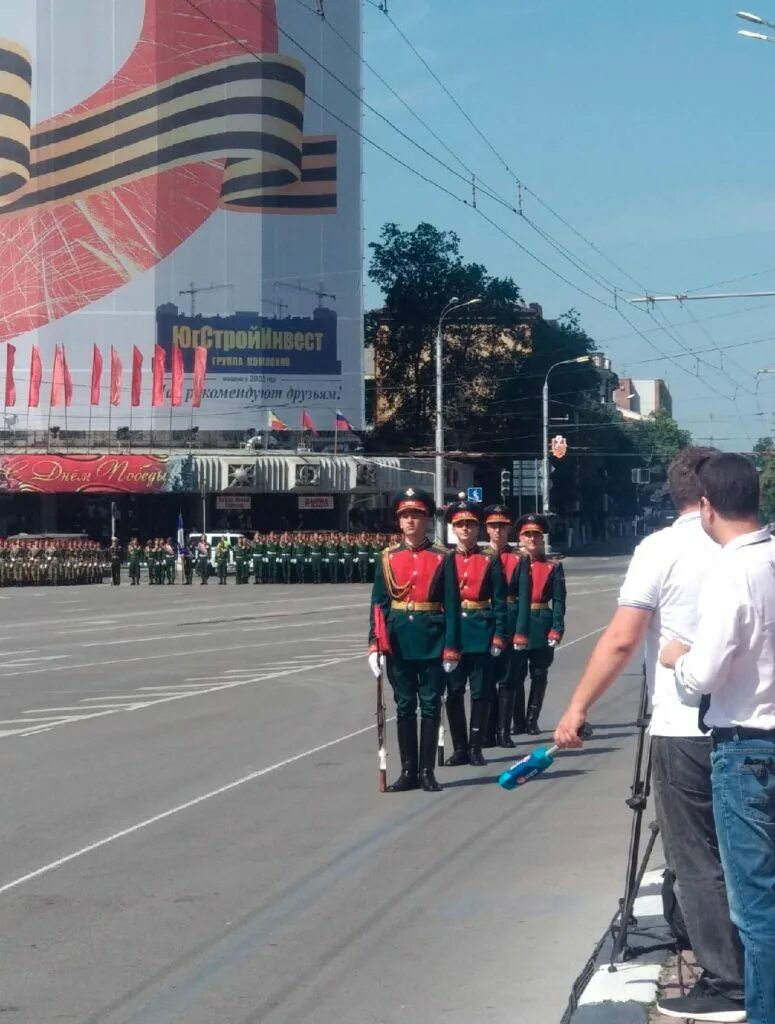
{"x": 383, "y": 646}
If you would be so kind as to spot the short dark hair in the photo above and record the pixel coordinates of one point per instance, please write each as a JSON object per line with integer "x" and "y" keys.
{"x": 731, "y": 485}
{"x": 685, "y": 488}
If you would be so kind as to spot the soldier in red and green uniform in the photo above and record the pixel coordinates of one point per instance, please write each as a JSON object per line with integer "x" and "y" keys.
{"x": 484, "y": 635}
{"x": 535, "y": 647}
{"x": 416, "y": 594}
{"x": 498, "y": 522}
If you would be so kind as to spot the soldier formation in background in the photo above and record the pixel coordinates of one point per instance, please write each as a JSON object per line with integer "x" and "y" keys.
{"x": 443, "y": 621}
{"x": 37, "y": 562}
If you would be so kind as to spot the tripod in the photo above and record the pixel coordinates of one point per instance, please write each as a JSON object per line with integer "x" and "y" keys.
{"x": 636, "y": 869}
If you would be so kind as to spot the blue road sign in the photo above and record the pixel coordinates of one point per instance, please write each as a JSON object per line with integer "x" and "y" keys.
{"x": 475, "y": 494}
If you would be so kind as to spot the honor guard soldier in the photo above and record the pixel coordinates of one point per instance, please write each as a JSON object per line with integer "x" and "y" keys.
{"x": 415, "y": 594}
{"x": 170, "y": 558}
{"x": 498, "y": 522}
{"x": 316, "y": 552}
{"x": 114, "y": 553}
{"x": 484, "y": 634}
{"x": 257, "y": 552}
{"x": 535, "y": 647}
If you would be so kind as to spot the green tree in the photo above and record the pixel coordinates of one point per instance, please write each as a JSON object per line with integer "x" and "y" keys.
{"x": 764, "y": 459}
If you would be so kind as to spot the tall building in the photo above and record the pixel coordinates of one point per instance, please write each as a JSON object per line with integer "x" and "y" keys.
{"x": 638, "y": 399}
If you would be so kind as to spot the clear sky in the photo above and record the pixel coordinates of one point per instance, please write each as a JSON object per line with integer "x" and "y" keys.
{"x": 648, "y": 127}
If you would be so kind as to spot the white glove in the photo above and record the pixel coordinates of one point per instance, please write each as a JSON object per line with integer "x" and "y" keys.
{"x": 449, "y": 666}
{"x": 520, "y": 647}
{"x": 495, "y": 651}
{"x": 375, "y": 663}
{"x": 552, "y": 643}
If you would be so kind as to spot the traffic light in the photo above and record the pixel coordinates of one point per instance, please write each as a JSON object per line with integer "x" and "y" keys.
{"x": 505, "y": 483}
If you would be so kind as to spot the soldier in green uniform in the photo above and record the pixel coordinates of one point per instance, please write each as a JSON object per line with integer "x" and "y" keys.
{"x": 332, "y": 557}
{"x": 362, "y": 551}
{"x": 498, "y": 522}
{"x": 187, "y": 558}
{"x": 244, "y": 551}
{"x": 257, "y": 553}
{"x": 240, "y": 558}
{"x": 415, "y": 627}
{"x": 296, "y": 552}
{"x": 114, "y": 554}
{"x": 222, "y": 560}
{"x": 347, "y": 557}
{"x": 272, "y": 557}
{"x": 484, "y": 634}
{"x": 170, "y": 558}
{"x": 535, "y": 648}
{"x": 316, "y": 549}
{"x": 134, "y": 557}
{"x": 203, "y": 561}
{"x": 284, "y": 557}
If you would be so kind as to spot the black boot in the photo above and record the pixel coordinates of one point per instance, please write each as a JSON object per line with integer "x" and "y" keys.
{"x": 480, "y": 712}
{"x": 407, "y": 748}
{"x": 429, "y": 734}
{"x": 519, "y": 709}
{"x": 492, "y": 720}
{"x": 456, "y": 717}
{"x": 505, "y": 713}
{"x": 538, "y": 682}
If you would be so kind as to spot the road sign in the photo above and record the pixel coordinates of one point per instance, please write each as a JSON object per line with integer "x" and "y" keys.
{"x": 526, "y": 477}
{"x": 559, "y": 446}
{"x": 641, "y": 476}
{"x": 475, "y": 494}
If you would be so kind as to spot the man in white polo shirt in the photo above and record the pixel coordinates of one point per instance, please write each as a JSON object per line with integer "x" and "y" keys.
{"x": 659, "y": 602}
{"x": 732, "y": 662}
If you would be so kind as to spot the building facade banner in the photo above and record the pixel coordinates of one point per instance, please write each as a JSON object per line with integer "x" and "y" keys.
{"x": 181, "y": 189}
{"x": 96, "y": 474}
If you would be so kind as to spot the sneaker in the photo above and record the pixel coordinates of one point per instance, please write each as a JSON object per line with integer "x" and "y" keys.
{"x": 704, "y": 1003}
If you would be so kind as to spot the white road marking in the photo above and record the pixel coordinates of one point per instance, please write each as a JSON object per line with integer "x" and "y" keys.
{"x": 130, "y": 702}
{"x": 147, "y": 822}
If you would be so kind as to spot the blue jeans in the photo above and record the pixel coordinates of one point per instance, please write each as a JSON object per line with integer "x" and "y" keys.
{"x": 744, "y": 809}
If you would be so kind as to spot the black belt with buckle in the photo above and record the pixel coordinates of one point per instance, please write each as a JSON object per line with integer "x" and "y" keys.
{"x": 741, "y": 732}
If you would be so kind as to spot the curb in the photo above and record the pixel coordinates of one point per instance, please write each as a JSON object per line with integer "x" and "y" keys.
{"x": 626, "y": 994}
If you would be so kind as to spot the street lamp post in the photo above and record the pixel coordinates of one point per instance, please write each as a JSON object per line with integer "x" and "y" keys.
{"x": 545, "y": 396}
{"x": 756, "y": 20}
{"x": 453, "y": 304}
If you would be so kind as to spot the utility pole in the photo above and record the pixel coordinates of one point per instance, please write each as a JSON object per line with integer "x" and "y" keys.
{"x": 545, "y": 405}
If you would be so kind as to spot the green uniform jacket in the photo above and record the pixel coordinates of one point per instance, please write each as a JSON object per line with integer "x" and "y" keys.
{"x": 480, "y": 578}
{"x": 516, "y": 570}
{"x": 416, "y": 577}
{"x": 547, "y": 603}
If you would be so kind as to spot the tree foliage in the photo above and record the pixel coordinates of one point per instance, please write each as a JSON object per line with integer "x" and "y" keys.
{"x": 494, "y": 371}
{"x": 765, "y": 463}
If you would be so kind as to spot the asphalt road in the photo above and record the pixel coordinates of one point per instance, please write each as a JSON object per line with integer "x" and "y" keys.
{"x": 191, "y": 829}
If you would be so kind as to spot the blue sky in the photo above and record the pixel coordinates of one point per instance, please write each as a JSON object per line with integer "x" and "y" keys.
{"x": 648, "y": 127}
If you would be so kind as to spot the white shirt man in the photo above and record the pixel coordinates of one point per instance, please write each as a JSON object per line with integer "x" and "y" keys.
{"x": 658, "y": 603}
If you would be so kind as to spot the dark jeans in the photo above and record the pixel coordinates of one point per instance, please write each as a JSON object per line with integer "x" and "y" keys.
{"x": 681, "y": 778}
{"x": 744, "y": 806}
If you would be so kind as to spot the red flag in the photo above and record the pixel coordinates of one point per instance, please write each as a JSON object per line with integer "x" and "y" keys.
{"x": 36, "y": 375}
{"x": 10, "y": 384}
{"x": 96, "y": 375}
{"x": 200, "y": 373}
{"x": 137, "y": 375}
{"x": 157, "y": 395}
{"x": 57, "y": 379}
{"x": 116, "y": 372}
{"x": 68, "y": 380}
{"x": 177, "y": 376}
{"x": 306, "y": 422}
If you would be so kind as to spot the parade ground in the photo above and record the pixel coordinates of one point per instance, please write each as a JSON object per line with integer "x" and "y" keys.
{"x": 192, "y": 832}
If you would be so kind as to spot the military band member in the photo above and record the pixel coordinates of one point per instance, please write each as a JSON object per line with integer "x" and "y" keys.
{"x": 498, "y": 522}
{"x": 535, "y": 648}
{"x": 114, "y": 554}
{"x": 203, "y": 561}
{"x": 484, "y": 634}
{"x": 415, "y": 589}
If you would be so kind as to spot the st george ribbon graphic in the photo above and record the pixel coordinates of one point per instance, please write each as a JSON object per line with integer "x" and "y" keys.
{"x": 204, "y": 115}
